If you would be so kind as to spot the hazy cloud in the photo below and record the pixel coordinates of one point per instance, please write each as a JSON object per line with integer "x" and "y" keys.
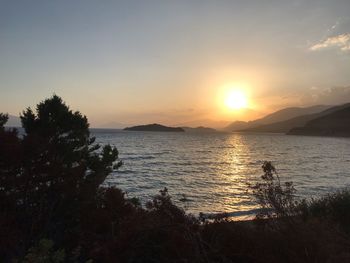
{"x": 328, "y": 96}
{"x": 341, "y": 41}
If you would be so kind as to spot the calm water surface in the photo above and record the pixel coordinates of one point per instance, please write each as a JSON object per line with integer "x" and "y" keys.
{"x": 213, "y": 170}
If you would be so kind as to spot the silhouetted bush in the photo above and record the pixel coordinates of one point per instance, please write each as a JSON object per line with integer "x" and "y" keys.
{"x": 44, "y": 253}
{"x": 275, "y": 199}
{"x": 334, "y": 207}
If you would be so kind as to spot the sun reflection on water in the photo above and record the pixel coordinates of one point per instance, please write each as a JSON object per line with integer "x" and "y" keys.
{"x": 233, "y": 177}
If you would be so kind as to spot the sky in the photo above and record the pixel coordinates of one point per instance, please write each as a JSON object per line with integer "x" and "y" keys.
{"x": 173, "y": 62}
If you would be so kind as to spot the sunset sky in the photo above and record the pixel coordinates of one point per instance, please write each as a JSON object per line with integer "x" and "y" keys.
{"x": 174, "y": 62}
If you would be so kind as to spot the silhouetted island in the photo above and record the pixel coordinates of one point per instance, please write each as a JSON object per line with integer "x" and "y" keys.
{"x": 154, "y": 127}
{"x": 199, "y": 129}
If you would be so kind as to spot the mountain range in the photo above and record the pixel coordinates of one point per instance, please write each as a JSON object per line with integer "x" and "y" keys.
{"x": 276, "y": 117}
{"x": 335, "y": 123}
{"x": 315, "y": 120}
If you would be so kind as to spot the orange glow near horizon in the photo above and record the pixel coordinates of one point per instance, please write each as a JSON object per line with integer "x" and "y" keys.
{"x": 236, "y": 101}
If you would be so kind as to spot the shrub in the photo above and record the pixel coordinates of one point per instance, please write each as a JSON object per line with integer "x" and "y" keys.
{"x": 333, "y": 207}
{"x": 44, "y": 253}
{"x": 275, "y": 199}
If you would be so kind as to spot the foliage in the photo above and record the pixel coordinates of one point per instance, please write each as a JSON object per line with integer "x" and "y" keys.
{"x": 334, "y": 207}
{"x": 3, "y": 119}
{"x": 49, "y": 176}
{"x": 275, "y": 199}
{"x": 44, "y": 253}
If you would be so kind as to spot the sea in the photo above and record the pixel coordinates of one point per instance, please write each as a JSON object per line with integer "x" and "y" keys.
{"x": 210, "y": 173}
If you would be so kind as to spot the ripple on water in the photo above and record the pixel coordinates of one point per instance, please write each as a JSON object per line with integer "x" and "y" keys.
{"x": 214, "y": 170}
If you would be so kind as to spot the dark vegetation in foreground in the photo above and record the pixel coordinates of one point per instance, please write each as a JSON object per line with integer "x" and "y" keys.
{"x": 54, "y": 209}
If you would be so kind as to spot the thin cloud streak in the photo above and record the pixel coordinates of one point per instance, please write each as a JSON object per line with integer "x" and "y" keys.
{"x": 340, "y": 41}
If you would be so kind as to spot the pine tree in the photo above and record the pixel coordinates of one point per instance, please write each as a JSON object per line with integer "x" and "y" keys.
{"x": 51, "y": 175}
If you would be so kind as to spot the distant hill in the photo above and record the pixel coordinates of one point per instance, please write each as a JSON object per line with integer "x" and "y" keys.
{"x": 287, "y": 125}
{"x": 239, "y": 125}
{"x": 13, "y": 121}
{"x": 111, "y": 125}
{"x": 154, "y": 127}
{"x": 335, "y": 123}
{"x": 278, "y": 116}
{"x": 199, "y": 129}
{"x": 203, "y": 122}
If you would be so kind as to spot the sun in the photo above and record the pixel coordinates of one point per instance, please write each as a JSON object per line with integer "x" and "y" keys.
{"x": 236, "y": 99}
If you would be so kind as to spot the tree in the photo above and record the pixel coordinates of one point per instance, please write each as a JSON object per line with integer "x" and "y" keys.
{"x": 62, "y": 144}
{"x": 10, "y": 195}
{"x": 52, "y": 174}
{"x": 3, "y": 119}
